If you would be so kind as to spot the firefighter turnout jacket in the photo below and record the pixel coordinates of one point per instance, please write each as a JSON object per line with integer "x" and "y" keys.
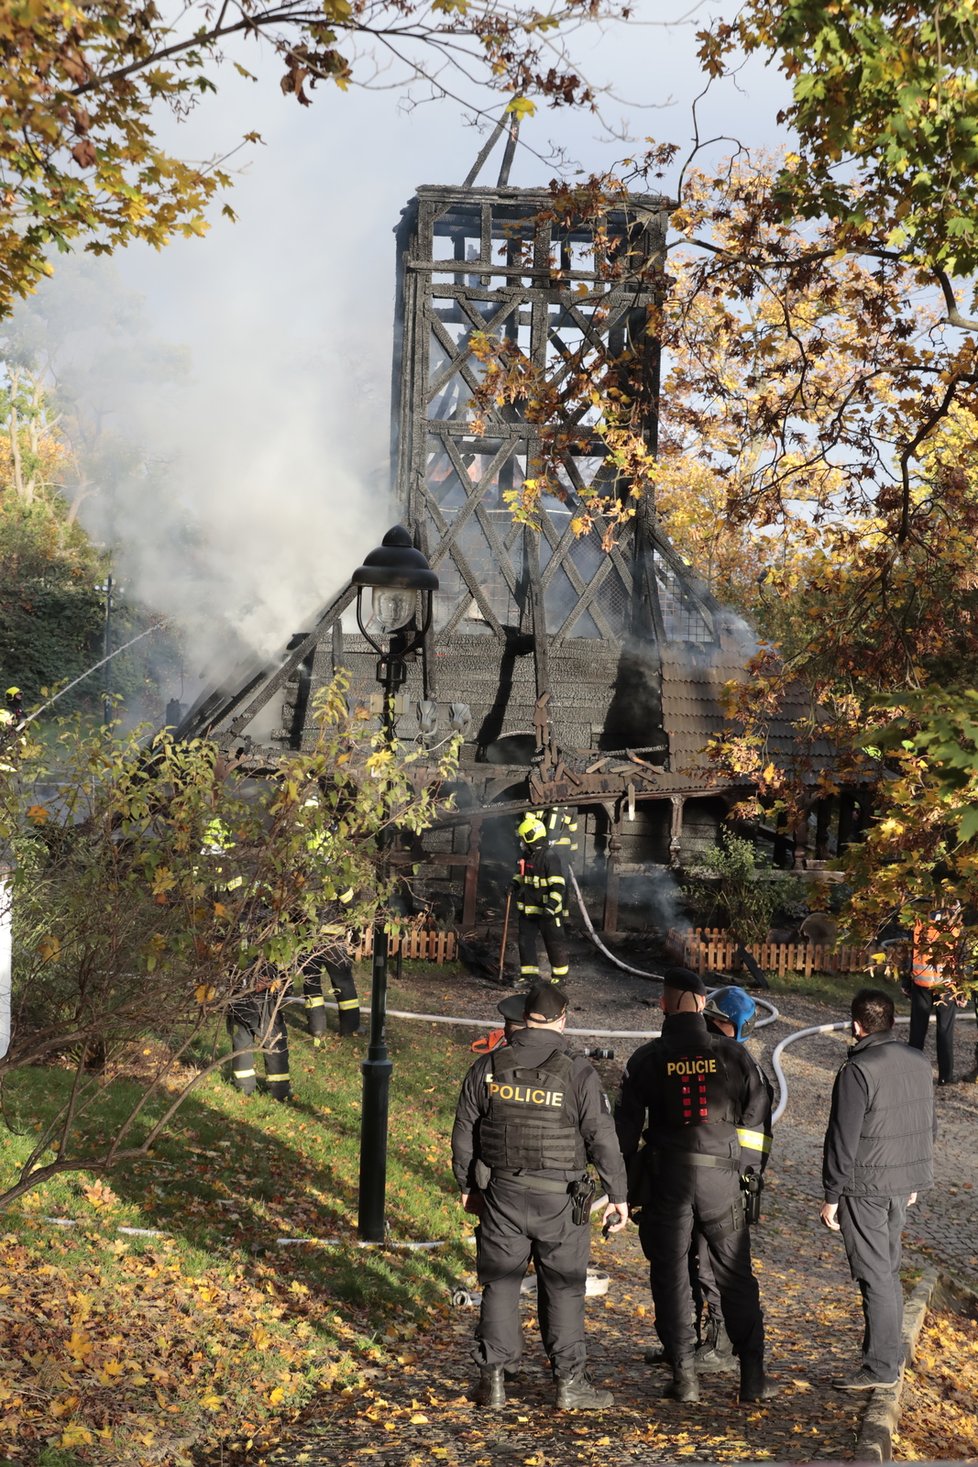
{"x": 702, "y": 1095}
{"x": 560, "y": 822}
{"x": 535, "y": 1109}
{"x": 540, "y": 884}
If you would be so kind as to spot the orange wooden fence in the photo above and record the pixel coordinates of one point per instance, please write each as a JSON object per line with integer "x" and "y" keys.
{"x": 712, "y": 950}
{"x": 428, "y": 945}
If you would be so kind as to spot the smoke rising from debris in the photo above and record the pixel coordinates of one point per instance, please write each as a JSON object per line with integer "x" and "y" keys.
{"x": 235, "y": 389}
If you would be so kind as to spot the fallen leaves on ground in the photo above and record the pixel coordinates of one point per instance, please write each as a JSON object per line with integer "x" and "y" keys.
{"x": 938, "y": 1420}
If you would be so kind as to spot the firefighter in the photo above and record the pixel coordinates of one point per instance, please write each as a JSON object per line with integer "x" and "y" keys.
{"x": 929, "y": 988}
{"x": 337, "y": 961}
{"x": 540, "y": 895}
{"x": 561, "y": 826}
{"x": 530, "y": 1117}
{"x": 337, "y": 964}
{"x": 730, "y": 1012}
{"x": 253, "y": 1018}
{"x": 706, "y": 1116}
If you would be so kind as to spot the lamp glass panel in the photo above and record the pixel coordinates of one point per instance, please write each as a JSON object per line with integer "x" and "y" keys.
{"x": 392, "y": 607}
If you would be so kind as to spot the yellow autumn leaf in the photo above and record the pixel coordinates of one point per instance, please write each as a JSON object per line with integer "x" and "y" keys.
{"x": 418, "y": 1420}
{"x": 205, "y": 993}
{"x": 49, "y": 947}
{"x": 276, "y": 1396}
{"x": 75, "y": 1435}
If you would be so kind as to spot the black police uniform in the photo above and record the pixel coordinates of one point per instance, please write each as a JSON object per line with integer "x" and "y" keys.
{"x": 709, "y": 1119}
{"x": 534, "y": 1115}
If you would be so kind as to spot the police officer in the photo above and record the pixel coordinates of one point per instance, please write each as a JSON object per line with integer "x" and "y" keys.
{"x": 534, "y": 1116}
{"x": 540, "y": 898}
{"x": 708, "y": 1116}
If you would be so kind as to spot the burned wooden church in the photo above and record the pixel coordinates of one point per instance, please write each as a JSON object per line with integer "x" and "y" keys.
{"x": 579, "y": 675}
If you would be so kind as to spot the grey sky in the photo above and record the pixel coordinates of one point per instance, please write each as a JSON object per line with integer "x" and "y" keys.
{"x": 275, "y": 446}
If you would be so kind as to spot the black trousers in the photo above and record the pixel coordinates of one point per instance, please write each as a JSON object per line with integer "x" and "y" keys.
{"x": 922, "y": 1001}
{"x": 340, "y": 973}
{"x": 872, "y": 1230}
{"x": 531, "y": 929}
{"x": 519, "y": 1224}
{"x": 708, "y": 1198}
{"x": 256, "y": 1020}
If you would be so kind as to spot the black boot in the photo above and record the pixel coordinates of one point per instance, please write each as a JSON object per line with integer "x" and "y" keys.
{"x": 577, "y": 1392}
{"x": 491, "y": 1390}
{"x": 717, "y": 1351}
{"x": 754, "y": 1386}
{"x": 657, "y": 1356}
{"x": 684, "y": 1386}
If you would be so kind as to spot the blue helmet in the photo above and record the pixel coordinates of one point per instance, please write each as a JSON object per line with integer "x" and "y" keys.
{"x": 735, "y": 1007}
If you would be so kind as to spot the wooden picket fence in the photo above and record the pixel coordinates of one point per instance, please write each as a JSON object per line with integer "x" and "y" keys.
{"x": 427, "y": 944}
{"x": 712, "y": 950}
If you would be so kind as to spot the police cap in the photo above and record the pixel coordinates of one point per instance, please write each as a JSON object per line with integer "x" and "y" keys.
{"x": 684, "y": 980}
{"x": 512, "y": 1007}
{"x": 544, "y": 1004}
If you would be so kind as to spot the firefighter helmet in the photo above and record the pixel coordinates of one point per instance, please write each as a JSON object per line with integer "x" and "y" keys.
{"x": 735, "y": 1007}
{"x": 531, "y": 831}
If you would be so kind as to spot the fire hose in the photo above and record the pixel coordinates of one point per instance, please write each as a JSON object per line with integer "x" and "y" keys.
{"x": 640, "y": 972}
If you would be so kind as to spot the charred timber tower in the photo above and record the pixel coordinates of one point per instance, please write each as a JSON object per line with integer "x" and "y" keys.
{"x": 583, "y": 669}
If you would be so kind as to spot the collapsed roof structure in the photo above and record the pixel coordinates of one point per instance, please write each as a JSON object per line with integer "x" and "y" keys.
{"x": 584, "y": 670}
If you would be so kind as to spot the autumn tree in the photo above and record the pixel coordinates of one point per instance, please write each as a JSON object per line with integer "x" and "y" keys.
{"x": 132, "y": 937}
{"x": 83, "y": 86}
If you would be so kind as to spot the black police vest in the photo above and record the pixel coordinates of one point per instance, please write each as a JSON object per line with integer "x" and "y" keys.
{"x": 528, "y": 1126}
{"x": 691, "y": 1088}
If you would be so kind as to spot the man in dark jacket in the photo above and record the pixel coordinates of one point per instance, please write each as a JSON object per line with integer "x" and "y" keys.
{"x": 531, "y": 1116}
{"x": 879, "y": 1153}
{"x": 708, "y": 1115}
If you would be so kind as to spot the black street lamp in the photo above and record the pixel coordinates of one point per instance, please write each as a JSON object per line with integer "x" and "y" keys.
{"x": 402, "y": 583}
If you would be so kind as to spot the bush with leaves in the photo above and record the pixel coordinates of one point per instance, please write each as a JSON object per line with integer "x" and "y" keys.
{"x": 728, "y": 889}
{"x": 133, "y": 932}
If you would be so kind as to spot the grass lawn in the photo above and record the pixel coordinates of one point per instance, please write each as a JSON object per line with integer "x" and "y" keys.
{"x": 129, "y": 1347}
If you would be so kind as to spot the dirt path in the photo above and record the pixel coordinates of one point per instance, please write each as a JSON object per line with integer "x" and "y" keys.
{"x": 421, "y": 1411}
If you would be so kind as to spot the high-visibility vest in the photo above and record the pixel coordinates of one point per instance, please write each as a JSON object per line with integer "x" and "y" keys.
{"x": 924, "y": 970}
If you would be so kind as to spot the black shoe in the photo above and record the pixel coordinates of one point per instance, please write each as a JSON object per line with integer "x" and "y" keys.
{"x": 863, "y": 1381}
{"x": 716, "y": 1352}
{"x": 656, "y": 1357}
{"x": 491, "y": 1390}
{"x": 577, "y": 1392}
{"x": 684, "y": 1386}
{"x": 754, "y": 1385}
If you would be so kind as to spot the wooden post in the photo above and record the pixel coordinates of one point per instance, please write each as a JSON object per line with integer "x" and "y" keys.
{"x": 609, "y": 920}
{"x": 471, "y": 883}
{"x": 676, "y": 830}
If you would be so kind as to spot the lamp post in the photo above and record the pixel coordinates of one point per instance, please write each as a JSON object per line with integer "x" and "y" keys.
{"x": 402, "y": 583}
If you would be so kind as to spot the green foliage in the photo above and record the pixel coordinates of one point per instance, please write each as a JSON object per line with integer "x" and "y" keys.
{"x": 151, "y": 889}
{"x": 885, "y": 106}
{"x": 728, "y": 890}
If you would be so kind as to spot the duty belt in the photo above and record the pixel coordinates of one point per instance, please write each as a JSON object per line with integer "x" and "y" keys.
{"x": 534, "y": 1184}
{"x": 695, "y": 1158}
